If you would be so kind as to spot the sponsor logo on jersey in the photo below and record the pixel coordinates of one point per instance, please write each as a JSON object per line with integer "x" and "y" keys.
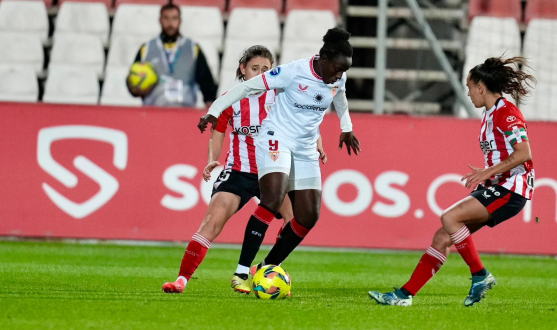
{"x": 510, "y": 119}
{"x": 302, "y": 88}
{"x": 318, "y": 98}
{"x": 309, "y": 107}
{"x": 275, "y": 71}
{"x": 334, "y": 90}
{"x": 247, "y": 130}
{"x": 237, "y": 113}
{"x": 274, "y": 155}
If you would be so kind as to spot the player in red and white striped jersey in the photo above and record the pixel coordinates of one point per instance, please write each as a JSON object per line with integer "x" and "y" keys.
{"x": 501, "y": 188}
{"x": 238, "y": 183}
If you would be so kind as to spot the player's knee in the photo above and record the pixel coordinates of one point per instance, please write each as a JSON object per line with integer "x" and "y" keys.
{"x": 441, "y": 239}
{"x": 210, "y": 228}
{"x": 447, "y": 218}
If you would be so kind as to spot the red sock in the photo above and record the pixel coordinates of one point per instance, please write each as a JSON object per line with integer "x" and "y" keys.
{"x": 429, "y": 264}
{"x": 298, "y": 229}
{"x": 194, "y": 255}
{"x": 467, "y": 249}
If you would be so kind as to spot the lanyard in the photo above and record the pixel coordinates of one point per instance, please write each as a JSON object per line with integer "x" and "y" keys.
{"x": 170, "y": 64}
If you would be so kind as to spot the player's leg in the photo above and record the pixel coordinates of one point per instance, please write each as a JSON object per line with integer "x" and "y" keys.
{"x": 221, "y": 207}
{"x": 287, "y": 214}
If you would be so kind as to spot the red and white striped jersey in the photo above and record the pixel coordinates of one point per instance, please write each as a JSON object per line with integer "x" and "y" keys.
{"x": 502, "y": 127}
{"x": 245, "y": 117}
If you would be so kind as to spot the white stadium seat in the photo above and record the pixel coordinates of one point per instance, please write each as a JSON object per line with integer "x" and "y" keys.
{"x": 212, "y": 56}
{"x": 308, "y": 25}
{"x": 137, "y": 20}
{"x": 540, "y": 49}
{"x": 21, "y": 49}
{"x": 227, "y": 80}
{"x": 203, "y": 24}
{"x": 292, "y": 50}
{"x": 233, "y": 50}
{"x": 254, "y": 25}
{"x": 123, "y": 50}
{"x": 71, "y": 85}
{"x": 489, "y": 37}
{"x": 115, "y": 91}
{"x": 24, "y": 16}
{"x": 84, "y": 51}
{"x": 83, "y": 18}
{"x": 18, "y": 84}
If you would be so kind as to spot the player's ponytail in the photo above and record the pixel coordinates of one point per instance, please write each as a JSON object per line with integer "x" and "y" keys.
{"x": 503, "y": 76}
{"x": 336, "y": 44}
{"x": 249, "y": 54}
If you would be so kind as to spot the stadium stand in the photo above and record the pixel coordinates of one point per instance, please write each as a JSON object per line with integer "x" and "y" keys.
{"x": 24, "y": 16}
{"x": 107, "y": 3}
{"x": 21, "y": 50}
{"x": 540, "y": 48}
{"x": 540, "y": 9}
{"x": 254, "y": 26}
{"x": 123, "y": 50}
{"x": 272, "y": 4}
{"x": 18, "y": 84}
{"x": 83, "y": 18}
{"x": 71, "y": 85}
{"x": 292, "y": 51}
{"x": 490, "y": 37}
{"x": 332, "y": 5}
{"x": 203, "y": 24}
{"x": 212, "y": 56}
{"x": 78, "y": 50}
{"x": 115, "y": 91}
{"x": 495, "y": 8}
{"x": 141, "y": 21}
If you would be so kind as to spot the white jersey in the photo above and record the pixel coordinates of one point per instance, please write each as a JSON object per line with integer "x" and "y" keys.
{"x": 302, "y": 100}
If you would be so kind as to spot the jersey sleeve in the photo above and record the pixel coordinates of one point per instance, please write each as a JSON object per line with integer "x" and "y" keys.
{"x": 224, "y": 118}
{"x": 513, "y": 126}
{"x": 279, "y": 77}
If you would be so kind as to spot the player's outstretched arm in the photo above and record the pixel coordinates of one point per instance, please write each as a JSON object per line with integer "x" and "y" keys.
{"x": 238, "y": 92}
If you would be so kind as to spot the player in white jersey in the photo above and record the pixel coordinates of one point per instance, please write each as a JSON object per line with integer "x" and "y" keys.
{"x": 237, "y": 183}
{"x": 287, "y": 159}
{"x": 501, "y": 188}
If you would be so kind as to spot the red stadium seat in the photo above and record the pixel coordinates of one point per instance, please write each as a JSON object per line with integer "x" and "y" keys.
{"x": 332, "y": 5}
{"x": 108, "y": 3}
{"x": 221, "y": 4}
{"x": 544, "y": 9}
{"x": 495, "y": 8}
{"x": 273, "y": 4}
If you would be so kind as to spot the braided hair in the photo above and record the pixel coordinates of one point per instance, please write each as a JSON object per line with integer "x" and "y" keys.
{"x": 336, "y": 44}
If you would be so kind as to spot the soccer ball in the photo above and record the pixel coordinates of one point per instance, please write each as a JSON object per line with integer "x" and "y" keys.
{"x": 271, "y": 282}
{"x": 143, "y": 75}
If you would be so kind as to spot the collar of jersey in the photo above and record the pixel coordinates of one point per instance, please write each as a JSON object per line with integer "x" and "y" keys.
{"x": 311, "y": 66}
{"x": 495, "y": 106}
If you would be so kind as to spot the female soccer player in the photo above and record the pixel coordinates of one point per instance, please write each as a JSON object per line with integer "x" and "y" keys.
{"x": 287, "y": 159}
{"x": 237, "y": 183}
{"x": 501, "y": 188}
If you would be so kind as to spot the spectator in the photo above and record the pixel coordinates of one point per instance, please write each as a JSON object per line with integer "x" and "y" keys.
{"x": 179, "y": 63}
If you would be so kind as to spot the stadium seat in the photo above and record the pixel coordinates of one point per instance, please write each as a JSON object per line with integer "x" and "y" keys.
{"x": 546, "y": 9}
{"x": 21, "y": 49}
{"x": 18, "y": 84}
{"x": 137, "y": 21}
{"x": 212, "y": 56}
{"x": 254, "y": 25}
{"x": 71, "y": 85}
{"x": 108, "y": 3}
{"x": 495, "y": 8}
{"x": 83, "y": 18}
{"x": 227, "y": 80}
{"x": 83, "y": 51}
{"x": 234, "y": 49}
{"x": 332, "y": 5}
{"x": 271, "y": 4}
{"x": 220, "y": 4}
{"x": 540, "y": 49}
{"x": 25, "y": 17}
{"x": 47, "y": 3}
{"x": 203, "y": 24}
{"x": 292, "y": 50}
{"x": 115, "y": 90}
{"x": 123, "y": 50}
{"x": 489, "y": 37}
{"x": 308, "y": 25}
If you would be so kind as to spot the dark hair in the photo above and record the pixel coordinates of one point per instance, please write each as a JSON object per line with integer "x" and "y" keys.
{"x": 336, "y": 44}
{"x": 170, "y": 5}
{"x": 249, "y": 54}
{"x": 500, "y": 77}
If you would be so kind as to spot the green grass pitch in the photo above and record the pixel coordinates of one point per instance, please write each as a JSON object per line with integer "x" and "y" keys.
{"x": 76, "y": 286}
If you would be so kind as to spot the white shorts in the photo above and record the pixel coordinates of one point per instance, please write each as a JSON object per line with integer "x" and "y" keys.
{"x": 279, "y": 154}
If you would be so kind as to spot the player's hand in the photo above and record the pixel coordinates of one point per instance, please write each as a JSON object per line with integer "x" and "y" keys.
{"x": 477, "y": 176}
{"x": 208, "y": 169}
{"x": 351, "y": 142}
{"x": 322, "y": 155}
{"x": 205, "y": 120}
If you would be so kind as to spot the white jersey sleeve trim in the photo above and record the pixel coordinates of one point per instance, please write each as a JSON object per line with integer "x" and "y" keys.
{"x": 238, "y": 92}
{"x": 341, "y": 106}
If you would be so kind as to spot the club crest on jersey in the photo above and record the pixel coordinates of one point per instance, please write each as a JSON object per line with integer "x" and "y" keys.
{"x": 318, "y": 98}
{"x": 510, "y": 119}
{"x": 275, "y": 71}
{"x": 490, "y": 125}
{"x": 334, "y": 91}
{"x": 302, "y": 88}
{"x": 274, "y": 155}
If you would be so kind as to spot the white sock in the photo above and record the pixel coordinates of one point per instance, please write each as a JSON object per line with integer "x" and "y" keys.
{"x": 242, "y": 270}
{"x": 183, "y": 279}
